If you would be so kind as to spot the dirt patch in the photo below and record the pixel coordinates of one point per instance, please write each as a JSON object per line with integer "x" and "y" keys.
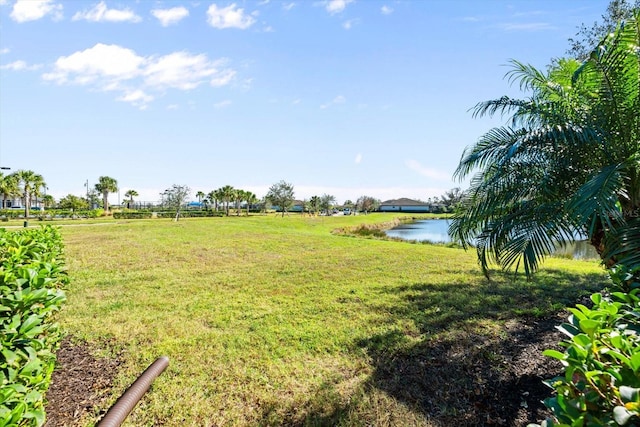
{"x": 476, "y": 380}
{"x": 80, "y": 383}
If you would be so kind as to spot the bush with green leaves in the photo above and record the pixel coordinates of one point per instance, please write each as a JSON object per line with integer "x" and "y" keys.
{"x": 32, "y": 278}
{"x": 132, "y": 215}
{"x": 601, "y": 382}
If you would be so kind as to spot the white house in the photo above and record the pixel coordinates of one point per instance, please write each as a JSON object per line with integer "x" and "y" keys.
{"x": 404, "y": 205}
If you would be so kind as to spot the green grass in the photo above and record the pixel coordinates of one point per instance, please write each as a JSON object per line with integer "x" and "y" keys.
{"x": 271, "y": 321}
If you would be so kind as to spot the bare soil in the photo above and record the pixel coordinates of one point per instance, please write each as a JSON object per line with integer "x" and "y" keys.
{"x": 489, "y": 383}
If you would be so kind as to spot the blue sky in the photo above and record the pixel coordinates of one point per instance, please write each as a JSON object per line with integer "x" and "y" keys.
{"x": 348, "y": 98}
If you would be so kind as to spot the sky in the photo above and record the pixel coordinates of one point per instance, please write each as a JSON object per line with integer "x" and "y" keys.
{"x": 339, "y": 97}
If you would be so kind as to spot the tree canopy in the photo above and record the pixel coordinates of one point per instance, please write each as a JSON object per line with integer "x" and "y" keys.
{"x": 281, "y": 194}
{"x": 567, "y": 165}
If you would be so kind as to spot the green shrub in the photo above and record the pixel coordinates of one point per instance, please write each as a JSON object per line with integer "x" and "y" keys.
{"x": 601, "y": 384}
{"x": 131, "y": 215}
{"x": 32, "y": 276}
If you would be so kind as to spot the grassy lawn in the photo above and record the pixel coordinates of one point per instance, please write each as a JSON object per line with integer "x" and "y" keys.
{"x": 277, "y": 321}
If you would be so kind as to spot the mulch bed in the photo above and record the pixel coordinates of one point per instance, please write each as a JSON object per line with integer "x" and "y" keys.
{"x": 494, "y": 383}
{"x": 80, "y": 383}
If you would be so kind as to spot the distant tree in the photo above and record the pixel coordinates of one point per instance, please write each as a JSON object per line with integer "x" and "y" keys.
{"x": 29, "y": 184}
{"x": 212, "y": 199}
{"x": 8, "y": 188}
{"x": 48, "y": 201}
{"x": 250, "y": 199}
{"x": 73, "y": 202}
{"x": 588, "y": 37}
{"x": 281, "y": 194}
{"x": 452, "y": 197}
{"x": 130, "y": 194}
{"x": 106, "y": 185}
{"x": 93, "y": 198}
{"x": 367, "y": 204}
{"x": 238, "y": 197}
{"x": 227, "y": 193}
{"x": 200, "y": 195}
{"x": 314, "y": 205}
{"x": 326, "y": 202}
{"x": 175, "y": 198}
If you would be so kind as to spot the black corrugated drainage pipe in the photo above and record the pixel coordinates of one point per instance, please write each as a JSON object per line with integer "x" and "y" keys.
{"x": 116, "y": 415}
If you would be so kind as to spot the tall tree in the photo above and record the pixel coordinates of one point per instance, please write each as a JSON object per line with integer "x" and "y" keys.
{"x": 281, "y": 194}
{"x": 568, "y": 164}
{"x": 130, "y": 194}
{"x": 105, "y": 186}
{"x": 29, "y": 183}
{"x": 367, "y": 204}
{"x": 8, "y": 188}
{"x": 250, "y": 199}
{"x": 326, "y": 202}
{"x": 588, "y": 37}
{"x": 200, "y": 195}
{"x": 226, "y": 195}
{"x": 73, "y": 202}
{"x": 314, "y": 204}
{"x": 175, "y": 198}
{"x": 212, "y": 199}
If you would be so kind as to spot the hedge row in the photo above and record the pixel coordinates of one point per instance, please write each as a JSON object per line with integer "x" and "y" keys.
{"x": 191, "y": 214}
{"x": 51, "y": 213}
{"x": 32, "y": 278}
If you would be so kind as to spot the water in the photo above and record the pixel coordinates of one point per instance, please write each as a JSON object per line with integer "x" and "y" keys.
{"x": 436, "y": 231}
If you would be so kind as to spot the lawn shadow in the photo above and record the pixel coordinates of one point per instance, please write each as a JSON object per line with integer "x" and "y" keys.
{"x": 478, "y": 357}
{"x": 462, "y": 355}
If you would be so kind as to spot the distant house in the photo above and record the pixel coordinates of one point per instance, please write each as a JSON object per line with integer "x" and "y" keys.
{"x": 405, "y": 205}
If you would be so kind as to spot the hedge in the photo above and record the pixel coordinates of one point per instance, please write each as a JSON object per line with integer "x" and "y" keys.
{"x": 32, "y": 278}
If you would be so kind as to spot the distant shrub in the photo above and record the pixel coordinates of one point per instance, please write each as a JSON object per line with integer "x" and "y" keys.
{"x": 32, "y": 276}
{"x": 601, "y": 384}
{"x": 132, "y": 215}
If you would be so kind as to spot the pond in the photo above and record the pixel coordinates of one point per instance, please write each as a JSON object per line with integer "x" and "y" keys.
{"x": 436, "y": 231}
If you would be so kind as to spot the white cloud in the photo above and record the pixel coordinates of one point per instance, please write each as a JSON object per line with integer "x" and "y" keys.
{"x": 113, "y": 68}
{"x": 358, "y": 159}
{"x": 137, "y": 98}
{"x": 19, "y": 66}
{"x": 427, "y": 172}
{"x": 335, "y": 101}
{"x": 288, "y": 6}
{"x": 181, "y": 70}
{"x": 386, "y": 10}
{"x": 348, "y": 24}
{"x": 101, "y": 62}
{"x": 336, "y": 6}
{"x": 532, "y": 26}
{"x": 222, "y": 104}
{"x": 4, "y": 51}
{"x": 170, "y": 16}
{"x": 229, "y": 17}
{"x": 100, "y": 13}
{"x": 32, "y": 10}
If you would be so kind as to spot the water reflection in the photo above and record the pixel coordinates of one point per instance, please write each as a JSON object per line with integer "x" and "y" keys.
{"x": 436, "y": 231}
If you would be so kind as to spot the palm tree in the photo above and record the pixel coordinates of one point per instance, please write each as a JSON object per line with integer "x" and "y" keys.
{"x": 130, "y": 194}
{"x": 48, "y": 201}
{"x": 200, "y": 195}
{"x": 251, "y": 199}
{"x": 567, "y": 165}
{"x": 8, "y": 188}
{"x": 212, "y": 199}
{"x": 29, "y": 184}
{"x": 238, "y": 196}
{"x": 105, "y": 186}
{"x": 226, "y": 195}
